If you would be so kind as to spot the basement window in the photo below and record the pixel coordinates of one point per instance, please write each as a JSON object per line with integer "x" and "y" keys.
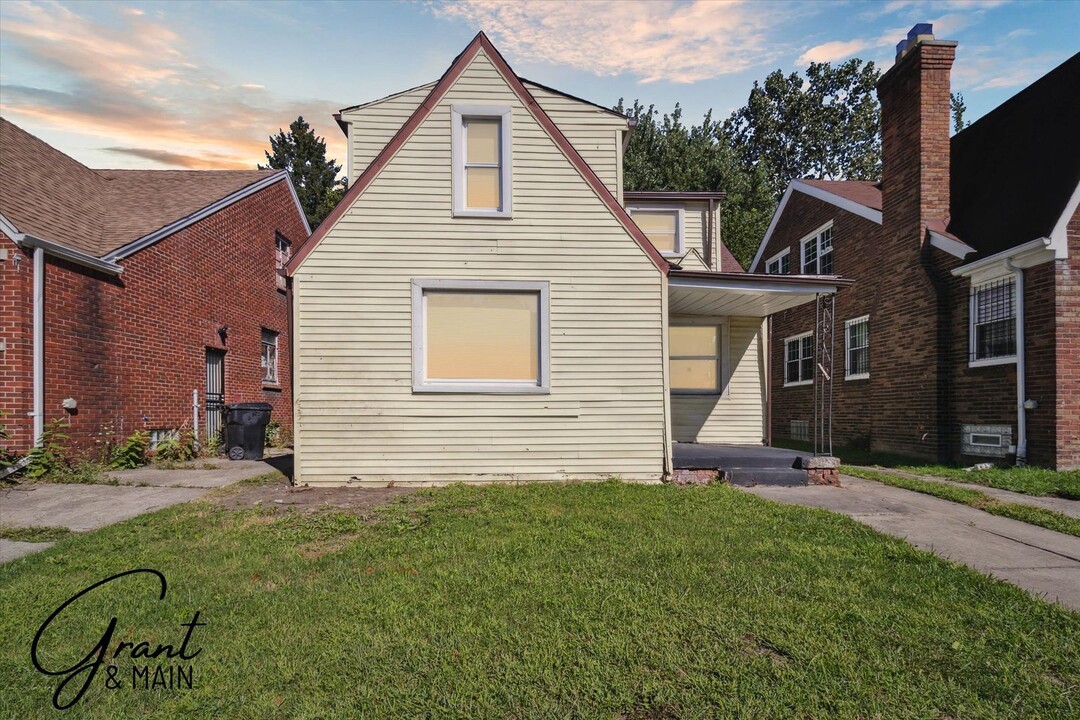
{"x": 993, "y": 322}
{"x": 799, "y": 360}
{"x": 816, "y": 250}
{"x": 800, "y": 429}
{"x": 480, "y": 336}
{"x": 481, "y": 149}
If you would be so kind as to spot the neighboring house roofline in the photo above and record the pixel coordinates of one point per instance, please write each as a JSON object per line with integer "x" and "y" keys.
{"x": 181, "y": 223}
{"x": 480, "y": 42}
{"x": 568, "y": 96}
{"x": 843, "y": 203}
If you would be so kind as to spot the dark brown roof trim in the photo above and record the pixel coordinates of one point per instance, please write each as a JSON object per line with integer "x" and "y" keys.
{"x": 750, "y": 278}
{"x": 672, "y": 195}
{"x": 480, "y": 42}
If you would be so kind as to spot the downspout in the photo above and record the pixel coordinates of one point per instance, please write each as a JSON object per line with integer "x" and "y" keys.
{"x": 39, "y": 345}
{"x": 711, "y": 242}
{"x": 1021, "y": 375}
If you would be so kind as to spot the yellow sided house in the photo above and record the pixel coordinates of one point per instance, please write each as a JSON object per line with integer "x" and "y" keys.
{"x": 487, "y": 304}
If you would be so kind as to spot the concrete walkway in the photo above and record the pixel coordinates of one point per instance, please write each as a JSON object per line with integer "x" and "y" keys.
{"x": 87, "y": 507}
{"x": 1061, "y": 505}
{"x": 1044, "y": 562}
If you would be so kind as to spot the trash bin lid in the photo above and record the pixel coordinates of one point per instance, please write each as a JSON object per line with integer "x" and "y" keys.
{"x": 265, "y": 407}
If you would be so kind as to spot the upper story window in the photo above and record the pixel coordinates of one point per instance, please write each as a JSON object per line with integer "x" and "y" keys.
{"x": 799, "y": 360}
{"x": 482, "y": 158}
{"x": 269, "y": 356}
{"x": 780, "y": 263}
{"x": 283, "y": 251}
{"x": 817, "y": 252}
{"x": 663, "y": 226}
{"x": 857, "y": 348}
{"x": 993, "y": 322}
{"x": 480, "y": 336}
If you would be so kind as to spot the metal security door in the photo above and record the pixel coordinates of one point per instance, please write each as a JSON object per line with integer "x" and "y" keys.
{"x": 215, "y": 391}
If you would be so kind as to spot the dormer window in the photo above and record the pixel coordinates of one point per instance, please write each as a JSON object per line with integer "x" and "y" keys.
{"x": 780, "y": 263}
{"x": 662, "y": 226}
{"x": 481, "y": 148}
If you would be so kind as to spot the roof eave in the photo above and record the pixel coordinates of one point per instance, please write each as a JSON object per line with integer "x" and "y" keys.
{"x": 25, "y": 240}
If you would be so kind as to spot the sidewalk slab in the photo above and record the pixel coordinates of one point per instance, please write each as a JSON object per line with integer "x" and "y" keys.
{"x": 85, "y": 507}
{"x": 12, "y": 549}
{"x": 1061, "y": 505}
{"x": 1044, "y": 562}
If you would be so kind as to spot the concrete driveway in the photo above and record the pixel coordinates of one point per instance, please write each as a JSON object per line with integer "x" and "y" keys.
{"x": 1044, "y": 562}
{"x": 87, "y": 507}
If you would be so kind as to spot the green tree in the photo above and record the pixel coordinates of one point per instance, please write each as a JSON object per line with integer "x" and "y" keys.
{"x": 304, "y": 155}
{"x": 666, "y": 154}
{"x": 958, "y": 107}
{"x": 826, "y": 125}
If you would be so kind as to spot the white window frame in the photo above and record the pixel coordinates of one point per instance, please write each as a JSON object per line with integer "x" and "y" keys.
{"x": 680, "y": 225}
{"x": 848, "y": 375}
{"x": 502, "y": 113}
{"x": 282, "y": 254}
{"x": 786, "y": 252}
{"x": 972, "y": 337}
{"x": 419, "y": 319}
{"x": 793, "y": 338}
{"x": 814, "y": 237}
{"x": 264, "y": 362}
{"x": 722, "y": 360}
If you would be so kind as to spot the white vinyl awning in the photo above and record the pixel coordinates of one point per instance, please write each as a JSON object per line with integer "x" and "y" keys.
{"x": 745, "y": 294}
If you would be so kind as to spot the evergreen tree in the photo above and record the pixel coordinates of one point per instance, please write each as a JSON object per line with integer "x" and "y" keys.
{"x": 304, "y": 155}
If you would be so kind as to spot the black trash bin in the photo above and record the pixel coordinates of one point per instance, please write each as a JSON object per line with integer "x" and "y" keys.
{"x": 245, "y": 430}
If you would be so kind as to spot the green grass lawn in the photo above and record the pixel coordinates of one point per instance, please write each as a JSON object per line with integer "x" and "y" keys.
{"x": 602, "y": 600}
{"x": 1027, "y": 480}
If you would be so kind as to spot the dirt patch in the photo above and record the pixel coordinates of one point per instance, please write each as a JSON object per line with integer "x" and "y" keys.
{"x": 759, "y": 647}
{"x": 277, "y": 495}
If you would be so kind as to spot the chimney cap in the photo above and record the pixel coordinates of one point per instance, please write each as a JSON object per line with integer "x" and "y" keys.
{"x": 920, "y": 29}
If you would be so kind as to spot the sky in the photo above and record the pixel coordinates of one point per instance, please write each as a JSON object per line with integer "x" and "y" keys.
{"x": 203, "y": 84}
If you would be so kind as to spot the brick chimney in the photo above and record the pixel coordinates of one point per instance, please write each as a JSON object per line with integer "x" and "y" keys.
{"x": 915, "y": 125}
{"x": 909, "y": 308}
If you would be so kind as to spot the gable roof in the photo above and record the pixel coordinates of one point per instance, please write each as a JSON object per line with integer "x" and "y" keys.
{"x": 461, "y": 62}
{"x": 52, "y": 196}
{"x": 1015, "y": 169}
{"x": 859, "y": 197}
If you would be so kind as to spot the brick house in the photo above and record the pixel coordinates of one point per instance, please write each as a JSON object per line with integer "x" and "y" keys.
{"x": 966, "y": 257}
{"x": 122, "y": 292}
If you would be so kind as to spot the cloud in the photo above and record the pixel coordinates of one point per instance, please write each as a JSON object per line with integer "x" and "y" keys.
{"x": 131, "y": 81}
{"x": 833, "y": 51}
{"x": 655, "y": 40}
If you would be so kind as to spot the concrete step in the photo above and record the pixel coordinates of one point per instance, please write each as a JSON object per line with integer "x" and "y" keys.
{"x": 750, "y": 476}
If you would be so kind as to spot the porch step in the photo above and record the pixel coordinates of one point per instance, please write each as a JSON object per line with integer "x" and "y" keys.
{"x": 750, "y": 476}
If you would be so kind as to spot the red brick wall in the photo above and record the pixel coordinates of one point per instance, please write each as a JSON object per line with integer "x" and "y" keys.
{"x": 854, "y": 251}
{"x": 16, "y": 325}
{"x": 131, "y": 349}
{"x": 1067, "y": 382}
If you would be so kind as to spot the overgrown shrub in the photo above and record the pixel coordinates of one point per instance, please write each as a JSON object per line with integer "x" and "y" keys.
{"x": 179, "y": 447}
{"x": 277, "y": 435}
{"x": 212, "y": 446}
{"x": 131, "y": 452}
{"x": 50, "y": 455}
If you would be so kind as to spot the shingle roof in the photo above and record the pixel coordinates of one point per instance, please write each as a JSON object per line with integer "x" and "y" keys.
{"x": 50, "y": 195}
{"x": 1014, "y": 170}
{"x": 728, "y": 263}
{"x": 863, "y": 192}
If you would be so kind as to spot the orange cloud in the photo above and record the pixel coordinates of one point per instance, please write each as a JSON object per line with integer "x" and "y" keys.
{"x": 133, "y": 84}
{"x": 653, "y": 39}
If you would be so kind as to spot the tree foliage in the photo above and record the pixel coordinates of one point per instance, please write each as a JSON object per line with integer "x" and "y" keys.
{"x": 958, "y": 107}
{"x": 304, "y": 155}
{"x": 824, "y": 125}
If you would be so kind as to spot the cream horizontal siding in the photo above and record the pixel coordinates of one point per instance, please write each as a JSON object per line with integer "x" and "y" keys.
{"x": 372, "y": 126}
{"x": 357, "y": 418}
{"x": 739, "y": 417}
